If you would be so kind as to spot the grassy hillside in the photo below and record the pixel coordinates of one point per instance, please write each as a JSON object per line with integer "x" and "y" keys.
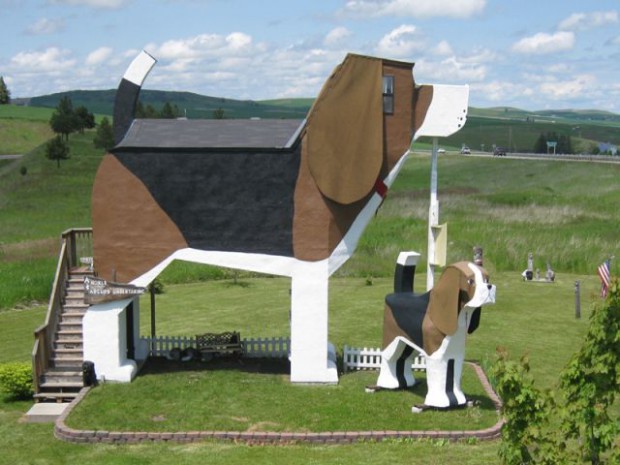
{"x": 193, "y": 105}
{"x": 23, "y": 128}
{"x": 520, "y": 134}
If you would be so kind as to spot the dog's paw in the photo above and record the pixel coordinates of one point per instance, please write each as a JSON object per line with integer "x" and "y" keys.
{"x": 418, "y": 408}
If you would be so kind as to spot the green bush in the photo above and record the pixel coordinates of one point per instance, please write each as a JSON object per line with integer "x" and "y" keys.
{"x": 16, "y": 380}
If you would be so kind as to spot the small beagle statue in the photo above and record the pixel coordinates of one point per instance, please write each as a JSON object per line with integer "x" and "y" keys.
{"x": 435, "y": 324}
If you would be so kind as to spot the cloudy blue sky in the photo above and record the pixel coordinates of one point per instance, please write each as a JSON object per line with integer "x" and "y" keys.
{"x": 532, "y": 54}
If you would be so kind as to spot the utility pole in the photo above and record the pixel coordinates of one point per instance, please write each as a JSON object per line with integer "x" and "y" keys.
{"x": 433, "y": 219}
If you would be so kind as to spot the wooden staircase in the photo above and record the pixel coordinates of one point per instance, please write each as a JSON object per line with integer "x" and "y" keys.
{"x": 58, "y": 354}
{"x": 63, "y": 379}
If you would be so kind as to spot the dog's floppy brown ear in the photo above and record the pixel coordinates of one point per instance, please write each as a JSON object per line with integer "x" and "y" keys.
{"x": 344, "y": 131}
{"x": 443, "y": 308}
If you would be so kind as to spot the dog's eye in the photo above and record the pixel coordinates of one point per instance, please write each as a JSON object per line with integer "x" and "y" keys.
{"x": 471, "y": 282}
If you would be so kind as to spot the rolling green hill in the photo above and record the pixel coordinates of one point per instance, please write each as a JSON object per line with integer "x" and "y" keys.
{"x": 192, "y": 105}
{"x": 513, "y": 128}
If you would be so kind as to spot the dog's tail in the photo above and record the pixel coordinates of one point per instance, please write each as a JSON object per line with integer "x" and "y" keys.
{"x": 128, "y": 93}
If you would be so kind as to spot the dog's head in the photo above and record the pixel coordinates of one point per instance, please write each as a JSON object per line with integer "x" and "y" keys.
{"x": 462, "y": 285}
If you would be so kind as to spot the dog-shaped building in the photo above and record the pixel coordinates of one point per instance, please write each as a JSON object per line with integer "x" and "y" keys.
{"x": 289, "y": 198}
{"x": 434, "y": 324}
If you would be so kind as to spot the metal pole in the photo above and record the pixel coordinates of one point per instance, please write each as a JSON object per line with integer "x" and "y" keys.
{"x": 153, "y": 332}
{"x": 433, "y": 219}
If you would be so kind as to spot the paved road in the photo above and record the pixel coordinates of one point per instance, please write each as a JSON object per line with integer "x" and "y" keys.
{"x": 9, "y": 157}
{"x": 539, "y": 156}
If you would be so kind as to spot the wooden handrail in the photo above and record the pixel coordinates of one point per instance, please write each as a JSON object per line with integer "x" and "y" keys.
{"x": 44, "y": 334}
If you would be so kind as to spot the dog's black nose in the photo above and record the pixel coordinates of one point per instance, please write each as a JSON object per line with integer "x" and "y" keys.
{"x": 489, "y": 286}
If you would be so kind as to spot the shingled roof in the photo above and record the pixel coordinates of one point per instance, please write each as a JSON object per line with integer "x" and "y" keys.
{"x": 212, "y": 134}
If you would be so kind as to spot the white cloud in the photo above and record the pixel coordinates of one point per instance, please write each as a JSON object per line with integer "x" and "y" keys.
{"x": 105, "y": 4}
{"x": 450, "y": 70}
{"x": 503, "y": 92}
{"x": 569, "y": 89}
{"x": 98, "y": 56}
{"x": 46, "y": 26}
{"x": 202, "y": 46}
{"x": 52, "y": 59}
{"x": 583, "y": 21}
{"x": 443, "y": 48}
{"x": 336, "y": 36}
{"x": 543, "y": 43}
{"x": 414, "y": 8}
{"x": 400, "y": 42}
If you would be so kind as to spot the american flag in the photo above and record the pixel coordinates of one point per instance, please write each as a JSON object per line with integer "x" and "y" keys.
{"x": 603, "y": 273}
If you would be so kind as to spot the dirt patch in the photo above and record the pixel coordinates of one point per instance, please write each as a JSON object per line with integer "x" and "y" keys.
{"x": 39, "y": 248}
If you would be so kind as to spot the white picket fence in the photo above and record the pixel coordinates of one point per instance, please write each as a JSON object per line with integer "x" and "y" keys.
{"x": 353, "y": 358}
{"x": 274, "y": 347}
{"x": 370, "y": 359}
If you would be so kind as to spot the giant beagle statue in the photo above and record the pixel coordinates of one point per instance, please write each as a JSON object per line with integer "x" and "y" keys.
{"x": 282, "y": 197}
{"x": 434, "y": 324}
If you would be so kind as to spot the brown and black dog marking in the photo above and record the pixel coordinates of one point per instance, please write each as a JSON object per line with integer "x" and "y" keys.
{"x": 272, "y": 187}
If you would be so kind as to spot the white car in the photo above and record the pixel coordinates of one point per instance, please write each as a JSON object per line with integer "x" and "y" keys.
{"x": 465, "y": 151}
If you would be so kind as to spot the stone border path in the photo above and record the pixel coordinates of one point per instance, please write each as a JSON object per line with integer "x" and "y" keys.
{"x": 63, "y": 432}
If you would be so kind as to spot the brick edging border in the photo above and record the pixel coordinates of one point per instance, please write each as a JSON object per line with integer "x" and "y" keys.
{"x": 65, "y": 433}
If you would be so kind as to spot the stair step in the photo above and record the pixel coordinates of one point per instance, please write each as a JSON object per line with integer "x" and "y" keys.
{"x": 68, "y": 352}
{"x": 67, "y": 371}
{"x": 57, "y": 396}
{"x": 74, "y": 318}
{"x": 67, "y": 363}
{"x": 75, "y": 307}
{"x": 70, "y": 326}
{"x": 68, "y": 345}
{"x": 69, "y": 335}
{"x": 68, "y": 355}
{"x": 61, "y": 386}
{"x": 57, "y": 380}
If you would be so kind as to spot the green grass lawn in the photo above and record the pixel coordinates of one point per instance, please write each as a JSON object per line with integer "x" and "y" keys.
{"x": 528, "y": 318}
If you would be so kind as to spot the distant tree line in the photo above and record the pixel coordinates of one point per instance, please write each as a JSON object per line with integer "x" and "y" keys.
{"x": 148, "y": 111}
{"x": 563, "y": 143}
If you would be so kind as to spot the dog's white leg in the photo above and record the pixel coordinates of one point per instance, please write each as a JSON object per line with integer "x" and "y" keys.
{"x": 443, "y": 371}
{"x": 396, "y": 363}
{"x": 310, "y": 360}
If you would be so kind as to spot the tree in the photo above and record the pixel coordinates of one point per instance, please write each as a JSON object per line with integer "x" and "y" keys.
{"x": 104, "y": 138}
{"x": 218, "y": 113}
{"x": 86, "y": 120}
{"x": 591, "y": 379}
{"x": 584, "y": 401}
{"x": 168, "y": 111}
{"x": 64, "y": 121}
{"x": 57, "y": 149}
{"x": 541, "y": 144}
{"x": 5, "y": 94}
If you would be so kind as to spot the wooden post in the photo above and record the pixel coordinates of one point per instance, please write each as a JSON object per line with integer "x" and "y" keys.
{"x": 577, "y": 300}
